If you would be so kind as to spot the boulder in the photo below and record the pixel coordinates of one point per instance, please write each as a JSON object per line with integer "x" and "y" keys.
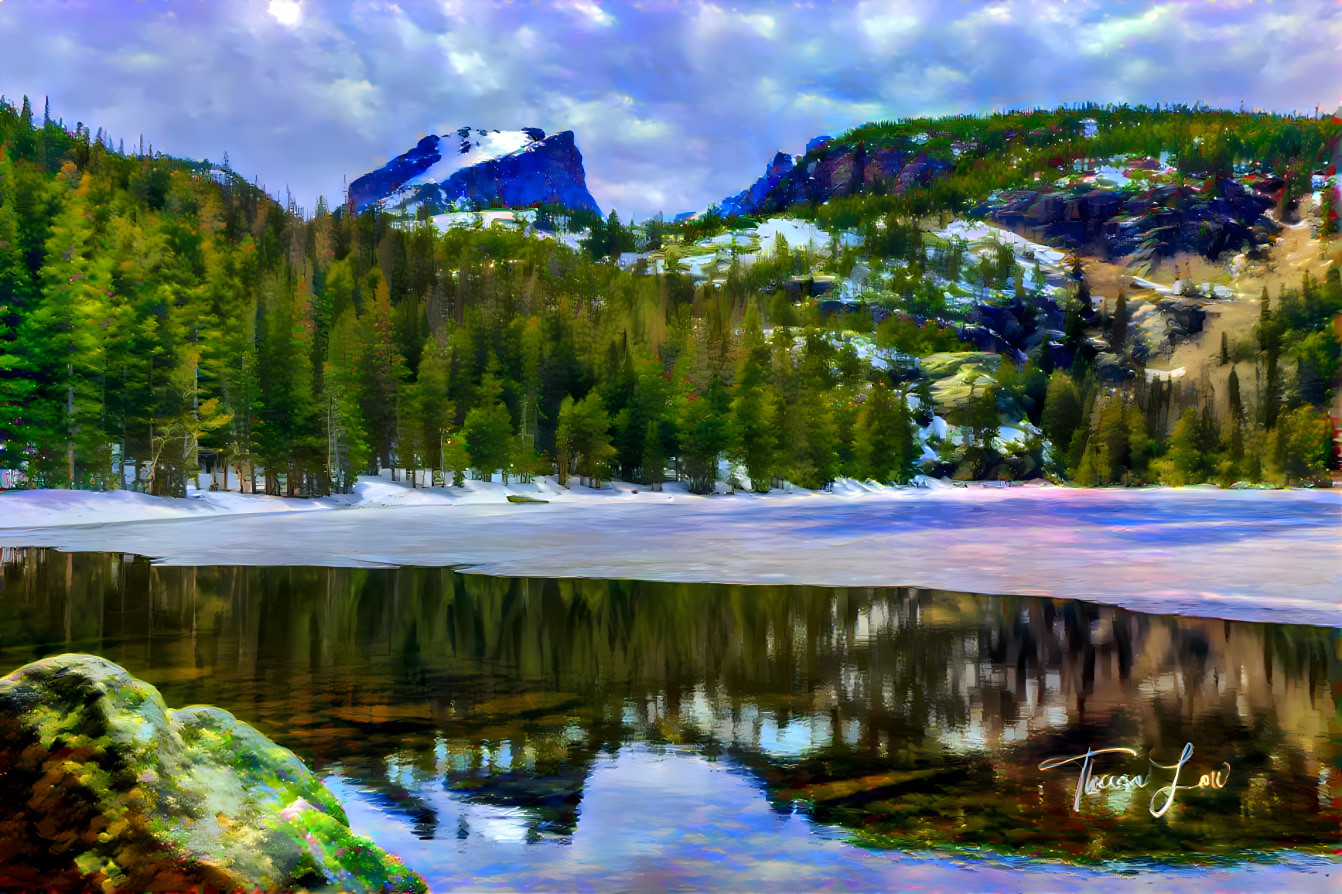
{"x": 1183, "y": 316}
{"x": 103, "y": 787}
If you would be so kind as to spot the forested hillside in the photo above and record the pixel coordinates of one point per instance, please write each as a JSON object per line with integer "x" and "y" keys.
{"x": 153, "y": 308}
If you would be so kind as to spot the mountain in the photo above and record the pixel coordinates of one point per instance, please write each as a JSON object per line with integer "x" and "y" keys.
{"x": 750, "y": 200}
{"x": 831, "y": 168}
{"x": 471, "y": 167}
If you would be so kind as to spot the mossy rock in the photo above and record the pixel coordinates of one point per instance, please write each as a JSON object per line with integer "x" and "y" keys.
{"x": 939, "y": 366}
{"x": 103, "y": 787}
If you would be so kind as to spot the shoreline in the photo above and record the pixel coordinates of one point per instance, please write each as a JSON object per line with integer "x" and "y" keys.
{"x": 1265, "y": 556}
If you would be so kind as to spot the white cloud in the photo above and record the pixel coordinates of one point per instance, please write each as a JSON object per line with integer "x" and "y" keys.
{"x": 588, "y": 12}
{"x": 674, "y": 105}
{"x": 479, "y": 76}
{"x": 286, "y": 12}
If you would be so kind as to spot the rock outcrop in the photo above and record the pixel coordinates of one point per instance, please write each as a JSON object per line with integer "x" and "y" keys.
{"x": 103, "y": 787}
{"x": 833, "y": 168}
{"x": 1140, "y": 226}
{"x": 746, "y": 201}
{"x": 477, "y": 168}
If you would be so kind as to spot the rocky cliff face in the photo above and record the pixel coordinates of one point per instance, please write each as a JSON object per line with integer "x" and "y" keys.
{"x": 832, "y": 168}
{"x": 748, "y": 200}
{"x": 475, "y": 168}
{"x": 1142, "y": 226}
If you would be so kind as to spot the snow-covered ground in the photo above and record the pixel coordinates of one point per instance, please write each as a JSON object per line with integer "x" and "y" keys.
{"x": 800, "y": 234}
{"x": 973, "y": 232}
{"x": 1248, "y": 555}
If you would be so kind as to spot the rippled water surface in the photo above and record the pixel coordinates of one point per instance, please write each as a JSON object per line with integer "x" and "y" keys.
{"x": 571, "y": 733}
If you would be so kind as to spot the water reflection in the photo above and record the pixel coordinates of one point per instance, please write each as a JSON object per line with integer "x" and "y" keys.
{"x": 461, "y": 707}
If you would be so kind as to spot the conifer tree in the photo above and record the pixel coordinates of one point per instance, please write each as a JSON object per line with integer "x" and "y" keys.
{"x": 429, "y": 414}
{"x": 382, "y": 371}
{"x": 754, "y": 411}
{"x": 704, "y": 434}
{"x": 652, "y": 468}
{"x": 1187, "y": 450}
{"x": 62, "y": 345}
{"x": 886, "y": 443}
{"x": 583, "y": 437}
{"x": 1118, "y": 335}
{"x": 1062, "y": 411}
{"x": 488, "y": 429}
{"x": 347, "y": 438}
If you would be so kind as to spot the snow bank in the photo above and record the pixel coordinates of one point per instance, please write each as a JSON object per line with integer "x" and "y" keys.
{"x": 1247, "y": 555}
{"x": 975, "y": 231}
{"x": 800, "y": 234}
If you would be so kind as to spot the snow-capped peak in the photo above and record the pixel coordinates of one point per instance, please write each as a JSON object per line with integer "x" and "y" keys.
{"x": 467, "y": 146}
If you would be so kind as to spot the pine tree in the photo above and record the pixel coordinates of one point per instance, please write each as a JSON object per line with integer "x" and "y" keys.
{"x": 383, "y": 370}
{"x": 348, "y": 449}
{"x": 17, "y": 295}
{"x": 429, "y": 414}
{"x": 61, "y": 345}
{"x": 1115, "y": 438}
{"x": 1118, "y": 335}
{"x": 1301, "y": 445}
{"x": 1187, "y": 449}
{"x": 583, "y": 438}
{"x": 288, "y": 434}
{"x": 886, "y": 442}
{"x": 704, "y": 432}
{"x": 488, "y": 429}
{"x": 1139, "y": 441}
{"x": 652, "y": 469}
{"x": 756, "y": 423}
{"x": 1062, "y": 411}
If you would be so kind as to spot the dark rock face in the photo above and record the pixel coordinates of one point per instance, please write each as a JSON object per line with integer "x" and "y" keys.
{"x": 389, "y": 178}
{"x": 830, "y": 169}
{"x": 1014, "y": 329}
{"x": 102, "y": 786}
{"x": 547, "y": 171}
{"x": 749, "y": 199}
{"x": 1140, "y": 226}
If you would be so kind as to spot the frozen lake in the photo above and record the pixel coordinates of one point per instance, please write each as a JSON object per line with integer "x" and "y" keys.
{"x": 1245, "y": 555}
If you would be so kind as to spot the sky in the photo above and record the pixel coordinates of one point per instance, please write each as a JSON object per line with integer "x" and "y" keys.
{"x": 674, "y": 104}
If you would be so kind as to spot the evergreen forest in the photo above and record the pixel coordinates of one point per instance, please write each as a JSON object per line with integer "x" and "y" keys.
{"x": 158, "y": 315}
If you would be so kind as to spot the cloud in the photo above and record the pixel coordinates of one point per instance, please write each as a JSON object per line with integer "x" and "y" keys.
{"x": 286, "y": 12}
{"x": 674, "y": 104}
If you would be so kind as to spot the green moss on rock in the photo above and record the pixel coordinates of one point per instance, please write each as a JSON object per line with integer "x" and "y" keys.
{"x": 102, "y": 786}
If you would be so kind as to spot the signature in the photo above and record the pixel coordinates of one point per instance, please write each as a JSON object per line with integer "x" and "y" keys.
{"x": 1090, "y": 783}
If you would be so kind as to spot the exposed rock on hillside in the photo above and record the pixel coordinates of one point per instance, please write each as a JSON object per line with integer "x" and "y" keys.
{"x": 1143, "y": 225}
{"x": 832, "y": 168}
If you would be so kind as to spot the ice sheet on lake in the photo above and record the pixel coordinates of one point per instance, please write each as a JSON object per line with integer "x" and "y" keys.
{"x": 1247, "y": 555}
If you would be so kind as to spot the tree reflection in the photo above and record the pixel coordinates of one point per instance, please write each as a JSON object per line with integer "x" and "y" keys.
{"x": 911, "y": 716}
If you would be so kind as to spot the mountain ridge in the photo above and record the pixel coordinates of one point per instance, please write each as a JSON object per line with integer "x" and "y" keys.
{"x": 473, "y": 167}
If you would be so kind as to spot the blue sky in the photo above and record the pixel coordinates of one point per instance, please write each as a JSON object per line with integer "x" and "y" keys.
{"x": 675, "y": 104}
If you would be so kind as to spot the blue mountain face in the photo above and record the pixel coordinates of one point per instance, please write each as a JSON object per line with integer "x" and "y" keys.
{"x": 478, "y": 168}
{"x": 749, "y": 200}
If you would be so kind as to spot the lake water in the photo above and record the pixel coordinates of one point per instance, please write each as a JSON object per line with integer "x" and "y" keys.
{"x": 579, "y": 734}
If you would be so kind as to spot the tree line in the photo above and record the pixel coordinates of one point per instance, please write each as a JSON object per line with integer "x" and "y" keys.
{"x": 153, "y": 310}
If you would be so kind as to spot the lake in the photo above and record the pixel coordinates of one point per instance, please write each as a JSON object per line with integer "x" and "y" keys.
{"x": 566, "y": 733}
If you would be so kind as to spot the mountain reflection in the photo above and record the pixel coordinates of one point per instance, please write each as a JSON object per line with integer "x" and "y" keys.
{"x": 911, "y": 717}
